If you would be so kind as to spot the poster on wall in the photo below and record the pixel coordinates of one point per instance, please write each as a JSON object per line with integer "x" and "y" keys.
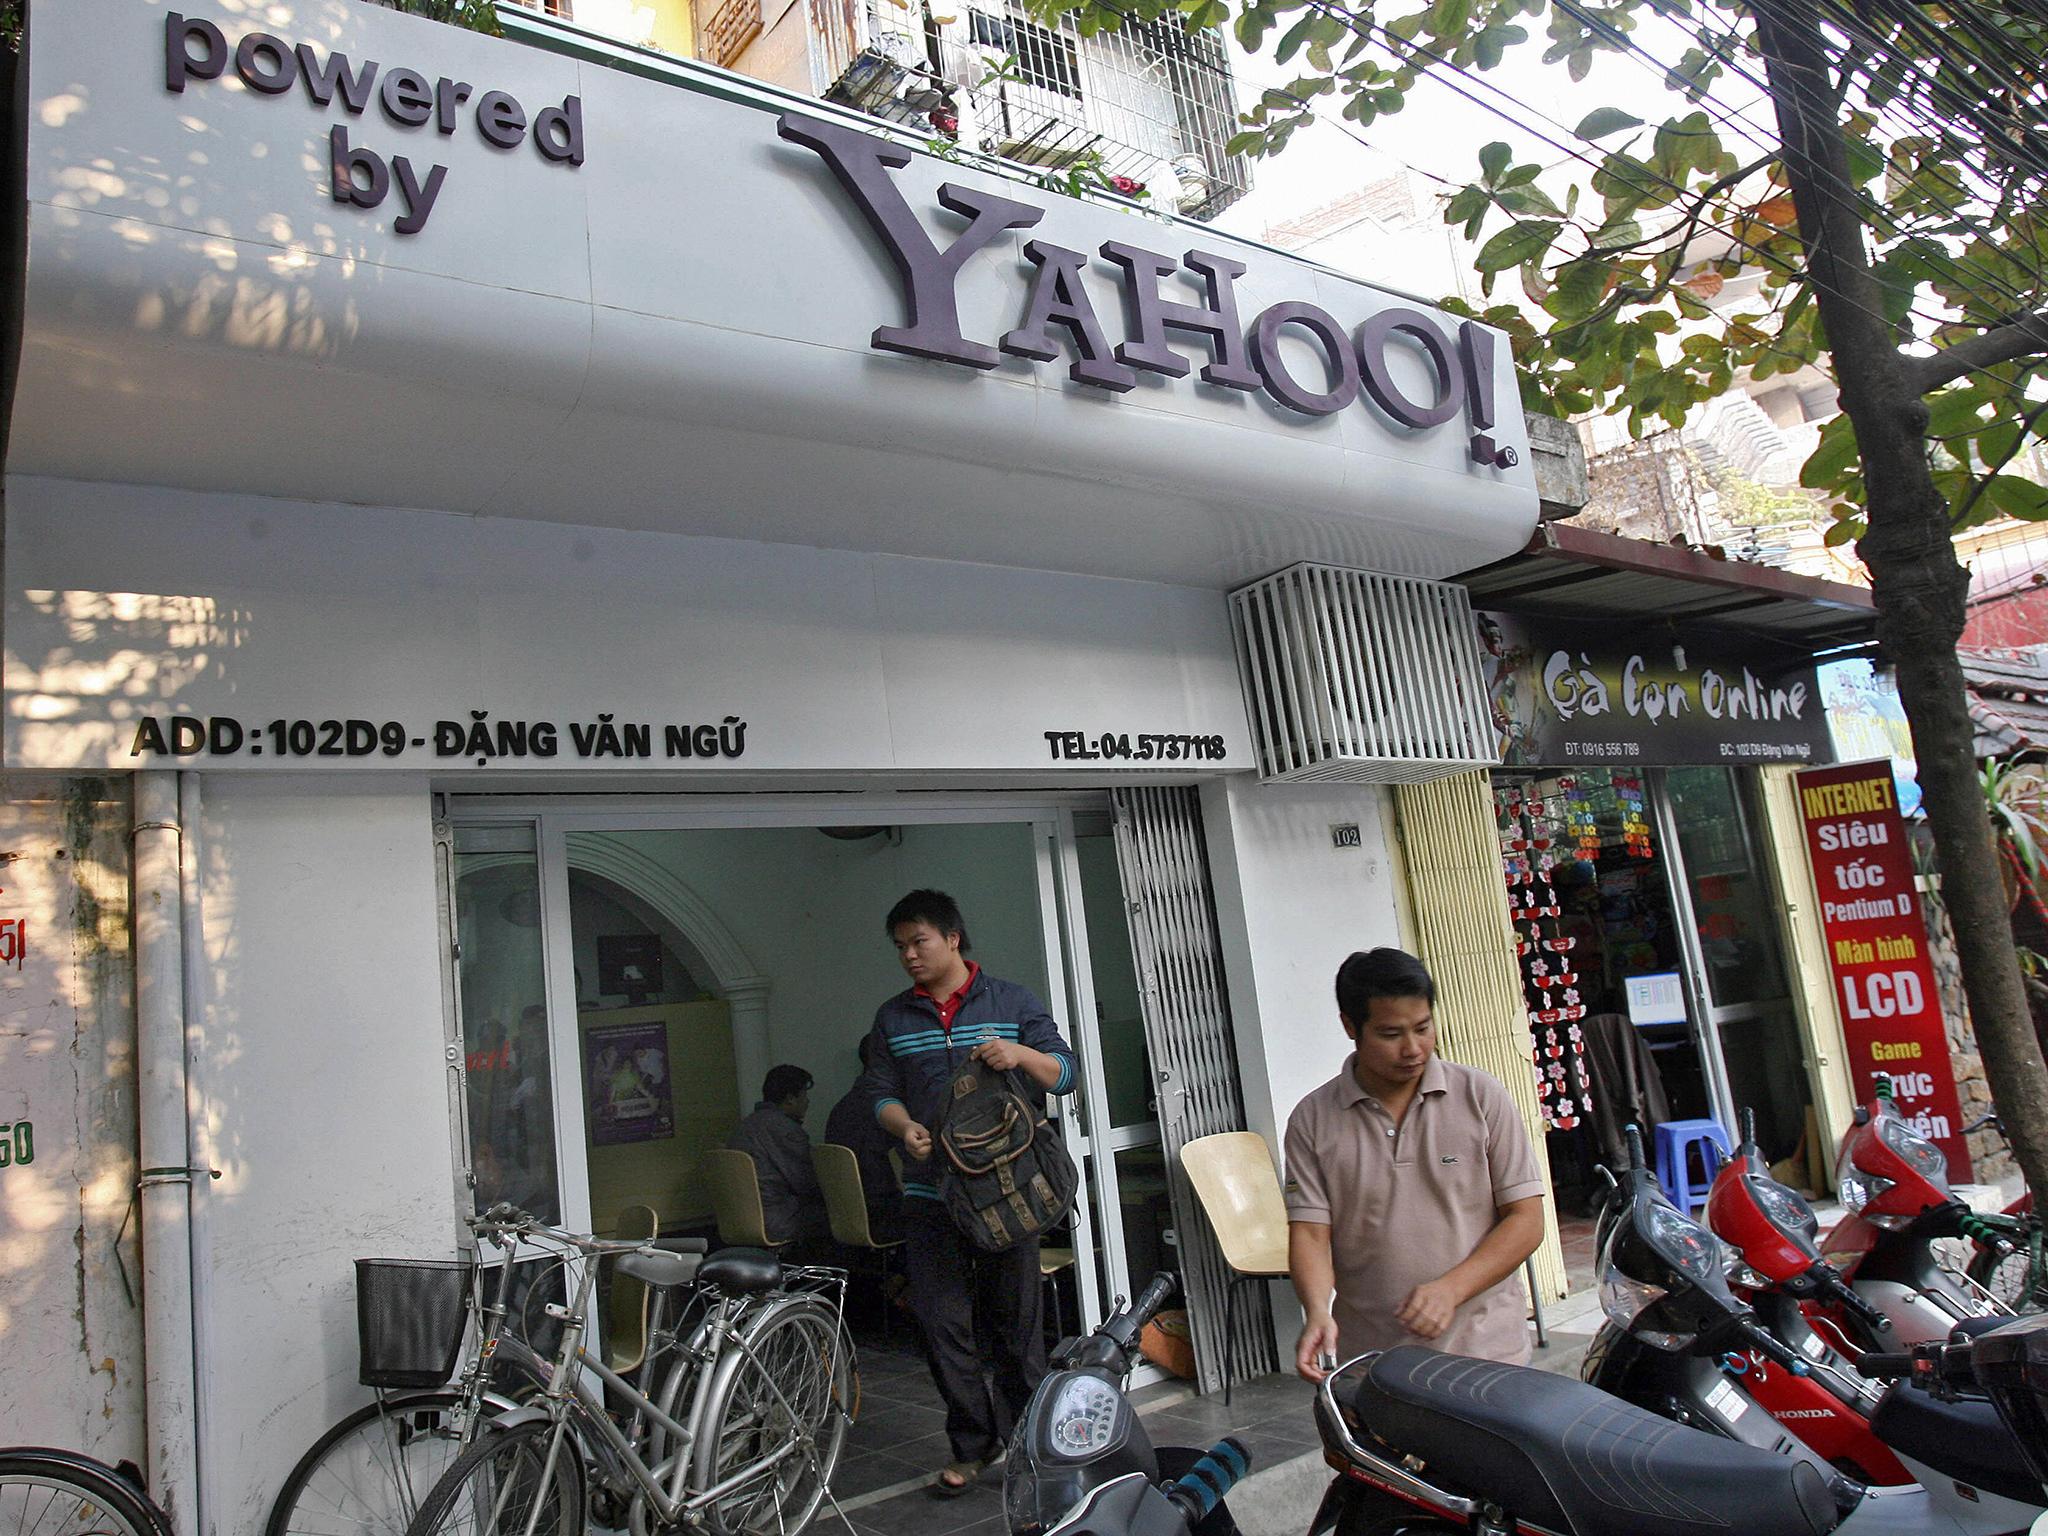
{"x": 626, "y": 1076}
{"x": 1580, "y": 691}
{"x": 1876, "y": 938}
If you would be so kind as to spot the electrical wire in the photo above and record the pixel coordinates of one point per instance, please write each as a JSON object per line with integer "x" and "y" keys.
{"x": 1734, "y": 118}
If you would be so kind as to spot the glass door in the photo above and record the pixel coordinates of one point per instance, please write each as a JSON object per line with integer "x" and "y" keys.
{"x": 1736, "y": 957}
{"x": 702, "y": 946}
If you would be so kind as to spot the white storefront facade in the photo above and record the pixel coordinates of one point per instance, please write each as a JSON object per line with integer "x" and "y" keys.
{"x": 479, "y": 523}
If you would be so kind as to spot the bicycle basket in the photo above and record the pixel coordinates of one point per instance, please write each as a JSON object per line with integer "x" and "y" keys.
{"x": 410, "y": 1317}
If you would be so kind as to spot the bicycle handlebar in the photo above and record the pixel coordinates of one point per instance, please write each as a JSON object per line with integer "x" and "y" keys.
{"x": 504, "y": 1220}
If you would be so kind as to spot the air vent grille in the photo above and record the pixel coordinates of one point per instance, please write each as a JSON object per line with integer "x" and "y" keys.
{"x": 1355, "y": 676}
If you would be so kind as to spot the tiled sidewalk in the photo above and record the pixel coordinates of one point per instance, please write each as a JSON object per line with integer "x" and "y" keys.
{"x": 898, "y": 1443}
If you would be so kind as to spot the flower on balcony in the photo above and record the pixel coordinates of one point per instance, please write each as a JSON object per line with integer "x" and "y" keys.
{"x": 1127, "y": 185}
{"x": 945, "y": 122}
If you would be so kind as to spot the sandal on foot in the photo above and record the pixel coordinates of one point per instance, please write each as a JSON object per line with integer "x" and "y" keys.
{"x": 964, "y": 1475}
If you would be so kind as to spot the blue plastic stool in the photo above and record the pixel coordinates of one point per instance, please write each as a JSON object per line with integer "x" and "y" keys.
{"x": 1677, "y": 1140}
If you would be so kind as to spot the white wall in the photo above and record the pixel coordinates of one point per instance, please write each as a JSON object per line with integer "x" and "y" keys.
{"x": 327, "y": 1099}
{"x": 1290, "y": 906}
{"x": 71, "y": 1374}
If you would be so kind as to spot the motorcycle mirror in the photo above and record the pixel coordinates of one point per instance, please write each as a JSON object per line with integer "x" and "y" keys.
{"x": 1635, "y": 1150}
{"x": 1749, "y": 1128}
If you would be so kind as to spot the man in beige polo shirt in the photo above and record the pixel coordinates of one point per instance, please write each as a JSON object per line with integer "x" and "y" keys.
{"x": 1413, "y": 1194}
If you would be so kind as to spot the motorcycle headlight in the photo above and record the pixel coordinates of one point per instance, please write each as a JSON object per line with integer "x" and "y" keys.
{"x": 1860, "y": 1188}
{"x": 1624, "y": 1300}
{"x": 1083, "y": 1421}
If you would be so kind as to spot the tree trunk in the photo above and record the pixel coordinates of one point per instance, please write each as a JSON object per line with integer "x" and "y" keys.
{"x": 1919, "y": 587}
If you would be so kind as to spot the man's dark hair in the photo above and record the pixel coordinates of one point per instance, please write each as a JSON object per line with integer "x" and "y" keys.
{"x": 1383, "y": 972}
{"x": 784, "y": 1083}
{"x": 934, "y": 907}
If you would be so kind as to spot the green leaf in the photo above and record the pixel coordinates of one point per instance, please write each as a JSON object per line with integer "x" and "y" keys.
{"x": 1523, "y": 241}
{"x": 1832, "y": 458}
{"x": 1447, "y": 18}
{"x": 1601, "y": 121}
{"x": 1580, "y": 287}
{"x": 2015, "y": 497}
{"x": 1841, "y": 531}
{"x": 1493, "y": 159}
{"x": 1621, "y": 231}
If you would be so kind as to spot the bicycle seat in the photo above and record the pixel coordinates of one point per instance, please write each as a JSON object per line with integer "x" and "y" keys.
{"x": 660, "y": 1269}
{"x": 1562, "y": 1455}
{"x": 742, "y": 1271}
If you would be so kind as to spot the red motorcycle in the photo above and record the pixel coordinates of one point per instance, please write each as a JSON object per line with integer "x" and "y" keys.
{"x": 1894, "y": 1185}
{"x": 1781, "y": 1274}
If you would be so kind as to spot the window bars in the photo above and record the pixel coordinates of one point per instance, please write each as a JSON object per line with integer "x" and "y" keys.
{"x": 1151, "y": 104}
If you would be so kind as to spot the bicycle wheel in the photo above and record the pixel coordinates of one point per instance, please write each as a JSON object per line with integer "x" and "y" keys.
{"x": 794, "y": 1382}
{"x": 55, "y": 1493}
{"x": 503, "y": 1485}
{"x": 367, "y": 1474}
{"x": 2011, "y": 1279}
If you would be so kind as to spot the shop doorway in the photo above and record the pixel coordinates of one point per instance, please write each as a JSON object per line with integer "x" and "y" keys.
{"x": 1652, "y": 962}
{"x": 626, "y": 981}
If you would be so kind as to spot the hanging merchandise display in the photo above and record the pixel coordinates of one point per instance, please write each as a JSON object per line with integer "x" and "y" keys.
{"x": 1635, "y": 819}
{"x": 1537, "y": 824}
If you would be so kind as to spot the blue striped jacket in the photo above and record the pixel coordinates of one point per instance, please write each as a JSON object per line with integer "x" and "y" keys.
{"x": 914, "y": 1060}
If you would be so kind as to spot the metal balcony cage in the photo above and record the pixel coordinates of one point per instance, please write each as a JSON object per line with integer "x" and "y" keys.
{"x": 1152, "y": 103}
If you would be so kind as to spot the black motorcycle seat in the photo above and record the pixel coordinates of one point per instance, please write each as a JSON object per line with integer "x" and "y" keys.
{"x": 1556, "y": 1453}
{"x": 1970, "y": 1327}
{"x": 742, "y": 1271}
{"x": 1967, "y": 1441}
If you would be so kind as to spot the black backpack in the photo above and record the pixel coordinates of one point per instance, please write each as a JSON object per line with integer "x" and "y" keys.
{"x": 1003, "y": 1172}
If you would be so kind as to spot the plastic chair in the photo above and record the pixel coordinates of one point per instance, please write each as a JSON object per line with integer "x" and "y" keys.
{"x": 1232, "y": 1175}
{"x": 735, "y": 1190}
{"x": 1676, "y": 1141}
{"x": 846, "y": 1210}
{"x": 627, "y": 1307}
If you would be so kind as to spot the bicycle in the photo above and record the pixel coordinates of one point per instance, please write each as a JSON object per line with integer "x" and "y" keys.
{"x": 2009, "y": 1251}
{"x": 739, "y": 1437}
{"x": 367, "y": 1474}
{"x": 46, "y": 1492}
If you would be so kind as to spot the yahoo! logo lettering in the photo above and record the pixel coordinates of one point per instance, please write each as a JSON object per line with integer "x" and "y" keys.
{"x": 1240, "y": 356}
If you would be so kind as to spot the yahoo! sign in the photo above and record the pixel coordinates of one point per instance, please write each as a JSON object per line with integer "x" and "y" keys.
{"x": 1246, "y": 357}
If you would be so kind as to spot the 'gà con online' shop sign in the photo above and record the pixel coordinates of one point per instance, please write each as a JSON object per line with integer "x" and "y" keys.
{"x": 1242, "y": 356}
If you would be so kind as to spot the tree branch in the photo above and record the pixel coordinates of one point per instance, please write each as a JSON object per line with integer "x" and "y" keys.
{"x": 2025, "y": 336}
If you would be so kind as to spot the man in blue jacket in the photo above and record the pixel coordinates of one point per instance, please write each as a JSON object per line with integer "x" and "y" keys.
{"x": 953, "y": 1013}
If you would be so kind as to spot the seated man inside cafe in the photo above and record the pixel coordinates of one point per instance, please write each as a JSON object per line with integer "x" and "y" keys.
{"x": 792, "y": 1204}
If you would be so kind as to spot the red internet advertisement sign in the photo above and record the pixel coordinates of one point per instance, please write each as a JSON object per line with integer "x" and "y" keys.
{"x": 1877, "y": 948}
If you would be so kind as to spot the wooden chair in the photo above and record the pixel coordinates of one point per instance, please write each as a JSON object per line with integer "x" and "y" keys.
{"x": 627, "y": 1307}
{"x": 846, "y": 1209}
{"x": 1232, "y": 1175}
{"x": 735, "y": 1190}
{"x": 1051, "y": 1262}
